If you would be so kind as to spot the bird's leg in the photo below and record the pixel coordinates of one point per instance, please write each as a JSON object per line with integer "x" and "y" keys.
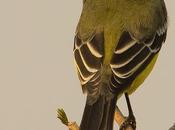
{"x": 130, "y": 120}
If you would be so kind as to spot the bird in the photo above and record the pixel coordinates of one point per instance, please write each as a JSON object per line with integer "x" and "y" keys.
{"x": 116, "y": 45}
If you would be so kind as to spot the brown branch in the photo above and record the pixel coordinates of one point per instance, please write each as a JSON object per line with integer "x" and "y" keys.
{"x": 119, "y": 118}
{"x": 73, "y": 126}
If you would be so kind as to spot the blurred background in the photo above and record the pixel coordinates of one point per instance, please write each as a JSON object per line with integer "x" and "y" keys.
{"x": 37, "y": 73}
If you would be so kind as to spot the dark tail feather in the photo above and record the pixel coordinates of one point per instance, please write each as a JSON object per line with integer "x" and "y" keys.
{"x": 100, "y": 115}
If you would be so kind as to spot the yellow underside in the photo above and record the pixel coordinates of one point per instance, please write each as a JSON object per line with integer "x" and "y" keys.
{"x": 142, "y": 76}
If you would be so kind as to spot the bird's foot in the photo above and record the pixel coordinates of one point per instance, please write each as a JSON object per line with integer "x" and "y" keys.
{"x": 129, "y": 122}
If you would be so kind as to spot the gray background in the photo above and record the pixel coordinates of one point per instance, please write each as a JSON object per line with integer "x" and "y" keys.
{"x": 37, "y": 74}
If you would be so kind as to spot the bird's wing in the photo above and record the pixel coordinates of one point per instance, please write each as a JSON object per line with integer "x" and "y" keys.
{"x": 131, "y": 57}
{"x": 88, "y": 57}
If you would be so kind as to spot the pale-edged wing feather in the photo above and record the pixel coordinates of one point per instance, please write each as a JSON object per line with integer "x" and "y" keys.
{"x": 88, "y": 57}
{"x": 131, "y": 58}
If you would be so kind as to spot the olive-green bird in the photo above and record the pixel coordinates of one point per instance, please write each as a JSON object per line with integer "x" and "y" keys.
{"x": 116, "y": 45}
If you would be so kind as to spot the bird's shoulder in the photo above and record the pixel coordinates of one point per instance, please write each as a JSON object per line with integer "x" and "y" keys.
{"x": 144, "y": 20}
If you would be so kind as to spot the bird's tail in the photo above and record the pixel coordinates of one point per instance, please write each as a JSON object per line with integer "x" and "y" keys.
{"x": 100, "y": 115}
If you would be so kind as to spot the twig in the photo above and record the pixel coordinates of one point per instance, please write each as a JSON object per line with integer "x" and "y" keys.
{"x": 119, "y": 118}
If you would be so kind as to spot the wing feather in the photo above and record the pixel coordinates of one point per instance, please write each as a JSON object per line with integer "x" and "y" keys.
{"x": 88, "y": 57}
{"x": 130, "y": 57}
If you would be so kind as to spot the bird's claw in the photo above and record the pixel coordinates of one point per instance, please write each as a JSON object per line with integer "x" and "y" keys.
{"x": 129, "y": 122}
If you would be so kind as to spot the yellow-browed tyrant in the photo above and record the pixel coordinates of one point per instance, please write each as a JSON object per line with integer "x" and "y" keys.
{"x": 116, "y": 46}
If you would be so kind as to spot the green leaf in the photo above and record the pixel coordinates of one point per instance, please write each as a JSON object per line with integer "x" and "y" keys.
{"x": 62, "y": 116}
